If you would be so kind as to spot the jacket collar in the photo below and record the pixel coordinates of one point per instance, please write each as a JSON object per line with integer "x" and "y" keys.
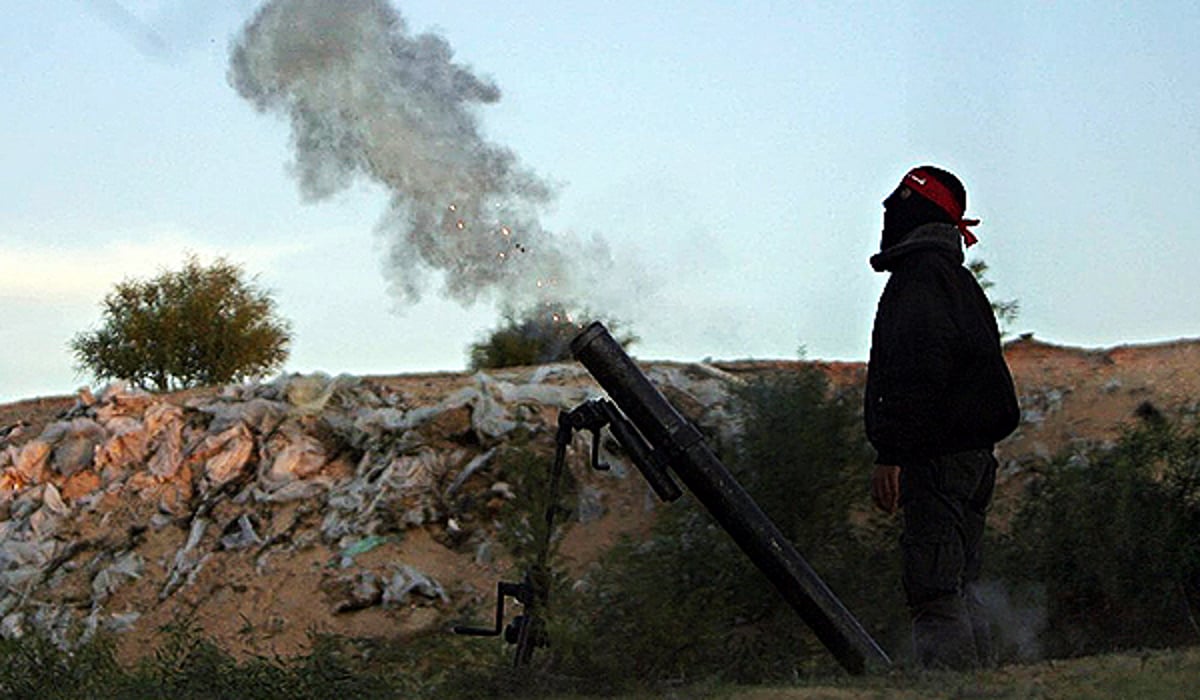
{"x": 938, "y": 237}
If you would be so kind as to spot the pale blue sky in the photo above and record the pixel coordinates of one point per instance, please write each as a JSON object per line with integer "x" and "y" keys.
{"x": 737, "y": 153}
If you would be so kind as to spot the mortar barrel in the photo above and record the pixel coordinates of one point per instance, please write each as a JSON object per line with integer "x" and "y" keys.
{"x": 716, "y": 489}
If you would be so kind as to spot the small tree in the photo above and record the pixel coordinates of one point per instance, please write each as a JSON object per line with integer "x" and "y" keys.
{"x": 536, "y": 336}
{"x": 1007, "y": 310}
{"x": 194, "y": 327}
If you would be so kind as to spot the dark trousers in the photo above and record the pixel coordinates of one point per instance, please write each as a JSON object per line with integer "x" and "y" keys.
{"x": 945, "y": 501}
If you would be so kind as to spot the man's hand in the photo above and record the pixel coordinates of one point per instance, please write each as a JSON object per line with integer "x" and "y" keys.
{"x": 885, "y": 487}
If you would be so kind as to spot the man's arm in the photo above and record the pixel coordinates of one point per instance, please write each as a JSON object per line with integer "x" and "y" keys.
{"x": 911, "y": 375}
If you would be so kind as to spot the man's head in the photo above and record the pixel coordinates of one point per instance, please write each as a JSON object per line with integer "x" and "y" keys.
{"x": 927, "y": 194}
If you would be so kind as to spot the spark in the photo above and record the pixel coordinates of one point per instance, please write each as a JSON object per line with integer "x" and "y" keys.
{"x": 505, "y": 231}
{"x": 460, "y": 224}
{"x": 453, "y": 207}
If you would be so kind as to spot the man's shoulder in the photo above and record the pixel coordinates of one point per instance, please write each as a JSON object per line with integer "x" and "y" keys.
{"x": 926, "y": 269}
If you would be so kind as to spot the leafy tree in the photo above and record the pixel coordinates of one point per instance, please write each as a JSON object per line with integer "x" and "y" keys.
{"x": 536, "y": 336}
{"x": 1007, "y": 310}
{"x": 201, "y": 325}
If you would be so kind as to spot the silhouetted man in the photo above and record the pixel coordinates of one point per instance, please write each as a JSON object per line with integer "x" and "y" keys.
{"x": 939, "y": 396}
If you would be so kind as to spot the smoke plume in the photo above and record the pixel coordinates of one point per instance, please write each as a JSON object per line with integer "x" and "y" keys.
{"x": 1018, "y": 621}
{"x": 366, "y": 98}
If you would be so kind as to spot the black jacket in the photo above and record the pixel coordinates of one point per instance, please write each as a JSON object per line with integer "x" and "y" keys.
{"x": 937, "y": 382}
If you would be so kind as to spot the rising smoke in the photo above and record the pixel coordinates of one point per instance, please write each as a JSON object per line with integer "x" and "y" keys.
{"x": 1017, "y": 621}
{"x": 366, "y": 98}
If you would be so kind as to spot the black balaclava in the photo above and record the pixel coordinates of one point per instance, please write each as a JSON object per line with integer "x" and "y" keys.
{"x": 905, "y": 210}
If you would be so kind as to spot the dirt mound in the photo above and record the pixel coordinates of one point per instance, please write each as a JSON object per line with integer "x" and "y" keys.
{"x": 367, "y": 506}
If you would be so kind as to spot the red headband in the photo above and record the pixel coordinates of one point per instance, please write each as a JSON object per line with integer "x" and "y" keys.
{"x": 930, "y": 188}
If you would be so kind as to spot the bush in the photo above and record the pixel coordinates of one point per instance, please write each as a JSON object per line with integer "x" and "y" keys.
{"x": 536, "y": 336}
{"x": 196, "y": 326}
{"x": 685, "y": 604}
{"x": 1113, "y": 536}
{"x": 189, "y": 665}
{"x": 36, "y": 667}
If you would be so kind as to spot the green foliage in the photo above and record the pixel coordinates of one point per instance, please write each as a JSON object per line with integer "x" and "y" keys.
{"x": 201, "y": 325}
{"x": 1113, "y": 535}
{"x": 188, "y": 665}
{"x": 522, "y": 522}
{"x": 536, "y": 336}
{"x": 443, "y": 667}
{"x": 1007, "y": 310}
{"x": 35, "y": 667}
{"x": 800, "y": 451}
{"x": 686, "y": 604}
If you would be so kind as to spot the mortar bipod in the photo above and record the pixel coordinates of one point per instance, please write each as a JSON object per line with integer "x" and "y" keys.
{"x": 528, "y": 630}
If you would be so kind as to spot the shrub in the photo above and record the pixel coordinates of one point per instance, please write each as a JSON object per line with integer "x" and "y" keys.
{"x": 685, "y": 604}
{"x": 1113, "y": 536}
{"x": 35, "y": 666}
{"x": 192, "y": 327}
{"x": 536, "y": 336}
